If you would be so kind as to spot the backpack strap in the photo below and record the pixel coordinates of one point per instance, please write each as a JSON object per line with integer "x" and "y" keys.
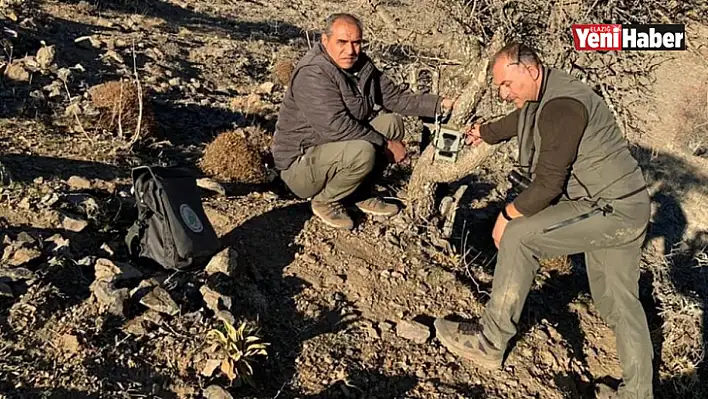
{"x": 132, "y": 237}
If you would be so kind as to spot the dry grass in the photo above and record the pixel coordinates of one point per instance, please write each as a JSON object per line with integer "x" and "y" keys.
{"x": 693, "y": 132}
{"x": 233, "y": 157}
{"x": 561, "y": 265}
{"x": 282, "y": 71}
{"x": 119, "y": 108}
{"x": 680, "y": 289}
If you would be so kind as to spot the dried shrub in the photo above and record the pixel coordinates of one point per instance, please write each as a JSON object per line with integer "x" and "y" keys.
{"x": 282, "y": 71}
{"x": 118, "y": 109}
{"x": 693, "y": 133}
{"x": 560, "y": 264}
{"x": 231, "y": 157}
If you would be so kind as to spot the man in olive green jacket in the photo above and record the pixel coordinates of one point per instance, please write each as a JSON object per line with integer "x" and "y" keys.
{"x": 587, "y": 195}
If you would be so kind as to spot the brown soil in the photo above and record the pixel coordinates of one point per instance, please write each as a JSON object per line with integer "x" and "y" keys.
{"x": 331, "y": 304}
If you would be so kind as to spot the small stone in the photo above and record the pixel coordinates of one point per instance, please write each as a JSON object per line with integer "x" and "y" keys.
{"x": 396, "y": 274}
{"x": 214, "y": 300}
{"x": 109, "y": 297}
{"x": 211, "y": 185}
{"x": 135, "y": 327}
{"x": 17, "y": 273}
{"x": 543, "y": 335}
{"x": 144, "y": 288}
{"x": 38, "y": 180}
{"x": 413, "y": 331}
{"x": 26, "y": 238}
{"x": 79, "y": 183}
{"x": 49, "y": 199}
{"x": 209, "y": 369}
{"x": 266, "y": 88}
{"x": 108, "y": 270}
{"x": 159, "y": 300}
{"x": 21, "y": 256}
{"x": 24, "y": 203}
{"x": 225, "y": 315}
{"x": 174, "y": 82}
{"x": 72, "y": 223}
{"x": 17, "y": 72}
{"x": 308, "y": 258}
{"x": 385, "y": 326}
{"x": 45, "y": 56}
{"x": 223, "y": 262}
{"x": 107, "y": 248}
{"x": 152, "y": 316}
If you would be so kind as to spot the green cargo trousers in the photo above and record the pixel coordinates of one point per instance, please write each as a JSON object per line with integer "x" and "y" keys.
{"x": 612, "y": 246}
{"x": 331, "y": 172}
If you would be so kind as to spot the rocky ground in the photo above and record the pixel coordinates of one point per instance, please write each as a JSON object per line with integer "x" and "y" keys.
{"x": 344, "y": 314}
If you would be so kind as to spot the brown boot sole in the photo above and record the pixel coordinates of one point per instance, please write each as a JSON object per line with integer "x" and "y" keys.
{"x": 328, "y": 223}
{"x": 479, "y": 360}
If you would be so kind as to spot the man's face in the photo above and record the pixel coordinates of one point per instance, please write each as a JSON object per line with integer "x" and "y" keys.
{"x": 517, "y": 82}
{"x": 343, "y": 45}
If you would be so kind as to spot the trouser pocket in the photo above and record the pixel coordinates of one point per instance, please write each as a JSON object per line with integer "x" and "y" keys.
{"x": 571, "y": 221}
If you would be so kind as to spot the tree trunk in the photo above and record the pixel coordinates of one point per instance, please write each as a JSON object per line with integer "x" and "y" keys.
{"x": 427, "y": 173}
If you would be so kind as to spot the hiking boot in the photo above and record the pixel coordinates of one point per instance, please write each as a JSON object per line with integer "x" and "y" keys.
{"x": 467, "y": 341}
{"x": 377, "y": 207}
{"x": 333, "y": 215}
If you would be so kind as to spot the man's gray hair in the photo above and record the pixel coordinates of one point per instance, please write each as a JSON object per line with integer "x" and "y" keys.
{"x": 517, "y": 53}
{"x": 341, "y": 16}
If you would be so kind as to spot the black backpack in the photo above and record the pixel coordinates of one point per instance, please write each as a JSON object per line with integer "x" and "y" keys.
{"x": 172, "y": 228}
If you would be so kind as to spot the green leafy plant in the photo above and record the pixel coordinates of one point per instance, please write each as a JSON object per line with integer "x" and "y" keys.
{"x": 234, "y": 350}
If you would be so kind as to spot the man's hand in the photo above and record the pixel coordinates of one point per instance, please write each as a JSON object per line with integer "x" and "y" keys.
{"x": 396, "y": 150}
{"x": 501, "y": 223}
{"x": 472, "y": 135}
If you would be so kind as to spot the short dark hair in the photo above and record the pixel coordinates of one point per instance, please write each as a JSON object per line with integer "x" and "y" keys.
{"x": 342, "y": 16}
{"x": 520, "y": 52}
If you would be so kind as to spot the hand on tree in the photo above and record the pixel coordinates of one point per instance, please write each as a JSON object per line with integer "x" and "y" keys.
{"x": 472, "y": 135}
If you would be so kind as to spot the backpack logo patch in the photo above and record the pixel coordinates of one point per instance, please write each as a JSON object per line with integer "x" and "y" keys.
{"x": 190, "y": 218}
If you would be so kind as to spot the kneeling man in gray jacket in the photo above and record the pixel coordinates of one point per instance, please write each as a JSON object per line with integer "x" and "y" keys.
{"x": 339, "y": 116}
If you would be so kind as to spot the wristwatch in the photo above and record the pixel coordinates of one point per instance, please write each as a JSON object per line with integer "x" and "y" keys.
{"x": 506, "y": 214}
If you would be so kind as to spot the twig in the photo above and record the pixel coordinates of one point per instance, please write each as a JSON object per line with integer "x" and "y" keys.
{"x": 136, "y": 134}
{"x": 307, "y": 34}
{"x": 280, "y": 390}
{"x": 73, "y": 111}
{"x": 465, "y": 252}
{"x": 120, "y": 110}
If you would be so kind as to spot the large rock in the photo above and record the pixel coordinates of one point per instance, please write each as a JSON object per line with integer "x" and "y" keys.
{"x": 216, "y": 392}
{"x": 108, "y": 270}
{"x": 109, "y": 298}
{"x": 79, "y": 183}
{"x": 224, "y": 262}
{"x": 214, "y": 300}
{"x": 160, "y": 300}
{"x": 413, "y": 331}
{"x": 71, "y": 222}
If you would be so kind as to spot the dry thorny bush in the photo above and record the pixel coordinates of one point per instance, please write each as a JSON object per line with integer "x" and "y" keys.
{"x": 119, "y": 109}
{"x": 234, "y": 157}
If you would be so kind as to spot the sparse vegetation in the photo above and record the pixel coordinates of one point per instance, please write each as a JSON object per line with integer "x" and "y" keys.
{"x": 235, "y": 349}
{"x": 231, "y": 157}
{"x": 329, "y": 304}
